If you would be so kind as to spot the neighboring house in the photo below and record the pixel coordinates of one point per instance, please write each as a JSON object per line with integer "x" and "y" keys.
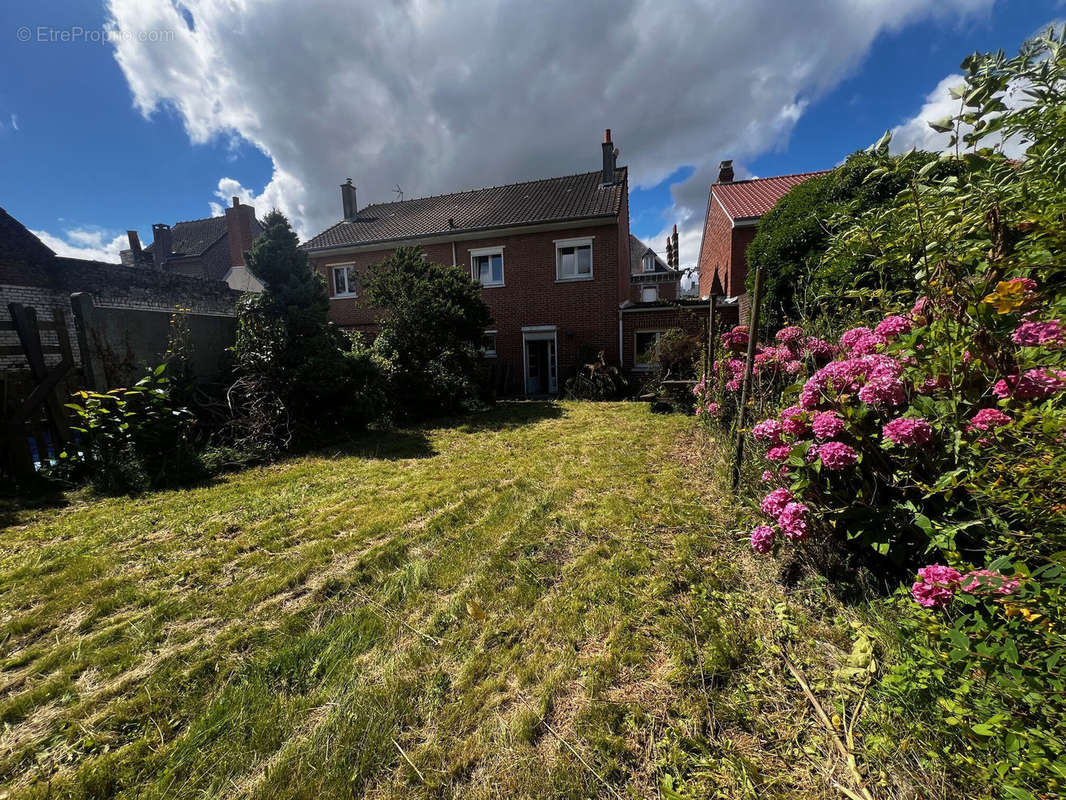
{"x": 212, "y": 248}
{"x": 733, "y": 212}
{"x": 554, "y": 257}
{"x": 130, "y": 307}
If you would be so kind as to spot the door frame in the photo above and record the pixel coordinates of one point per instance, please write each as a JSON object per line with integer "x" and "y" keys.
{"x": 536, "y": 333}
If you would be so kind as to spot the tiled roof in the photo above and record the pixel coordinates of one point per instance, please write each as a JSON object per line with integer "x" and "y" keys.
{"x": 192, "y": 238}
{"x": 570, "y": 197}
{"x": 637, "y": 249}
{"x": 18, "y": 244}
{"x": 753, "y": 198}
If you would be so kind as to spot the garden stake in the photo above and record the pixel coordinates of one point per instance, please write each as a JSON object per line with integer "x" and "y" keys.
{"x": 745, "y": 389}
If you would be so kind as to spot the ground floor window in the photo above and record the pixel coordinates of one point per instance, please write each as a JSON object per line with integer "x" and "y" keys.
{"x": 644, "y": 347}
{"x": 488, "y": 344}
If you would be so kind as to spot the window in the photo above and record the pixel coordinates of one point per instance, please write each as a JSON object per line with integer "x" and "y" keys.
{"x": 486, "y": 265}
{"x": 649, "y": 262}
{"x": 573, "y": 260}
{"x": 488, "y": 344}
{"x": 644, "y": 349}
{"x": 344, "y": 280}
{"x": 649, "y": 294}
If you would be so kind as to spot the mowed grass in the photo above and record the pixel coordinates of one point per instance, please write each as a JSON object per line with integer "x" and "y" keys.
{"x": 544, "y": 600}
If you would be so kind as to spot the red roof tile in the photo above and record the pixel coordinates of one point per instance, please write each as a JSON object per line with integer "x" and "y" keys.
{"x": 753, "y": 198}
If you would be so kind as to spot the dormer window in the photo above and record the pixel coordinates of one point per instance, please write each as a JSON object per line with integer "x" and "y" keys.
{"x": 649, "y": 262}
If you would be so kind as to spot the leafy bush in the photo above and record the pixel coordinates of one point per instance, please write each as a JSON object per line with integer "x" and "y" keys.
{"x": 430, "y": 344}
{"x": 131, "y": 439}
{"x": 298, "y": 377}
{"x": 678, "y": 354}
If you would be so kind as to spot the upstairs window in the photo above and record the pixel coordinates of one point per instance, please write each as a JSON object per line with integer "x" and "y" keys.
{"x": 649, "y": 294}
{"x": 486, "y": 265}
{"x": 573, "y": 260}
{"x": 344, "y": 280}
{"x": 649, "y": 262}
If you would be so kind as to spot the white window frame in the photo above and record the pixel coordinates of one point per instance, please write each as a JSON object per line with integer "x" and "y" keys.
{"x": 649, "y": 262}
{"x": 487, "y": 352}
{"x": 585, "y": 241}
{"x": 637, "y": 366}
{"x": 488, "y": 251}
{"x": 652, "y": 287}
{"x": 349, "y": 291}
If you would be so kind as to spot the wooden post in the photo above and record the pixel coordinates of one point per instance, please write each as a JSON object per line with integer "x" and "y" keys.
{"x": 745, "y": 389}
{"x": 712, "y": 301}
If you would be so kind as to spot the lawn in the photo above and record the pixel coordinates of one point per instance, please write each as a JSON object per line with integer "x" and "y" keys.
{"x": 544, "y": 600}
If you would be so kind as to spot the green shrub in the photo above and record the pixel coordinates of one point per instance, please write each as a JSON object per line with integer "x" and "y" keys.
{"x": 432, "y": 328}
{"x": 130, "y": 440}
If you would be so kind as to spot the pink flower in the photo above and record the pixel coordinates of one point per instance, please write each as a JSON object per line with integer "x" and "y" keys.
{"x": 931, "y": 385}
{"x": 713, "y": 409}
{"x": 837, "y": 455}
{"x": 1035, "y": 384}
{"x": 986, "y": 419}
{"x": 893, "y": 326}
{"x": 818, "y": 349}
{"x": 936, "y": 586}
{"x": 793, "y": 521}
{"x": 985, "y": 581}
{"x": 1037, "y": 334}
{"x": 921, "y": 308}
{"x": 736, "y": 339}
{"x": 848, "y": 339}
{"x": 769, "y": 430}
{"x": 885, "y": 392}
{"x": 794, "y": 421}
{"x": 779, "y": 453}
{"x": 790, "y": 334}
{"x": 733, "y": 385}
{"x": 767, "y": 476}
{"x": 775, "y": 502}
{"x": 827, "y": 424}
{"x": 762, "y": 539}
{"x": 812, "y": 454}
{"x": 908, "y": 431}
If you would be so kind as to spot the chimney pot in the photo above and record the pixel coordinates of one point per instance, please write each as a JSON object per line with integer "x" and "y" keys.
{"x": 348, "y": 200}
{"x": 607, "y": 135}
{"x": 161, "y": 241}
{"x": 610, "y": 156}
{"x": 239, "y": 231}
{"x": 725, "y": 172}
{"x": 236, "y": 201}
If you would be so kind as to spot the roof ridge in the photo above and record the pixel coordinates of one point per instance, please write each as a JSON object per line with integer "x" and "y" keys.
{"x": 772, "y": 177}
{"x": 482, "y": 189}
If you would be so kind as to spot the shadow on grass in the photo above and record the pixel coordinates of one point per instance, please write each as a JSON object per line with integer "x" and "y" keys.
{"x": 15, "y": 501}
{"x": 506, "y": 415}
{"x": 390, "y": 445}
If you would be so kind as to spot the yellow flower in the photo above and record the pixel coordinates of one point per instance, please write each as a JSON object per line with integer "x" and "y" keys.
{"x": 1008, "y": 297}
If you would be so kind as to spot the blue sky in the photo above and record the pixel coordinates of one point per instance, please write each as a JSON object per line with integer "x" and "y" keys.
{"x": 90, "y": 148}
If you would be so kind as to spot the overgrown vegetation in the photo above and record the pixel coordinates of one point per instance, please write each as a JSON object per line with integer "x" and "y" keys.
{"x": 929, "y": 448}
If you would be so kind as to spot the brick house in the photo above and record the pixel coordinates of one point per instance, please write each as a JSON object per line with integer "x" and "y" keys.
{"x": 733, "y": 212}
{"x": 555, "y": 259}
{"x": 212, "y": 249}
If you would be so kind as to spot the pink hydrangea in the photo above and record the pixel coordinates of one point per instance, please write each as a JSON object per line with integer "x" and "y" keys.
{"x": 793, "y": 521}
{"x": 762, "y": 539}
{"x": 1035, "y": 384}
{"x": 936, "y": 585}
{"x": 933, "y": 385}
{"x": 848, "y": 339}
{"x": 769, "y": 430}
{"x": 982, "y": 581}
{"x": 921, "y": 308}
{"x": 774, "y": 503}
{"x": 713, "y": 409}
{"x": 767, "y": 476}
{"x": 908, "y": 431}
{"x": 827, "y": 424}
{"x": 986, "y": 419}
{"x": 795, "y": 421}
{"x": 736, "y": 339}
{"x": 793, "y": 333}
{"x": 819, "y": 349}
{"x": 812, "y": 454}
{"x": 837, "y": 455}
{"x": 1040, "y": 334}
{"x": 870, "y": 343}
{"x": 893, "y": 326}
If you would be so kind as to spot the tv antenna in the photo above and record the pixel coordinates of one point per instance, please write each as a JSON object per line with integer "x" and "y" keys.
{"x": 399, "y": 193}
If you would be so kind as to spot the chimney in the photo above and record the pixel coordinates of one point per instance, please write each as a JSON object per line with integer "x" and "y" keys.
{"x": 669, "y": 251}
{"x": 348, "y": 200}
{"x": 239, "y": 231}
{"x": 677, "y": 255}
{"x": 610, "y": 155}
{"x": 160, "y": 244}
{"x": 725, "y": 172}
{"x": 134, "y": 256}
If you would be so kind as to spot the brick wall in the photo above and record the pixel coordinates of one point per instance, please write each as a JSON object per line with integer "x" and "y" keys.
{"x": 716, "y": 252}
{"x": 585, "y": 312}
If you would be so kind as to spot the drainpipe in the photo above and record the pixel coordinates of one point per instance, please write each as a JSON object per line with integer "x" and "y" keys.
{"x": 454, "y": 264}
{"x": 621, "y": 360}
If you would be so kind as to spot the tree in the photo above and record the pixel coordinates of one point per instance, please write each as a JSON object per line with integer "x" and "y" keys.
{"x": 433, "y": 324}
{"x": 298, "y": 375}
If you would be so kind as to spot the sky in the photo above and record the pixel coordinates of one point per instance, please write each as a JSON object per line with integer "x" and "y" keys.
{"x": 116, "y": 115}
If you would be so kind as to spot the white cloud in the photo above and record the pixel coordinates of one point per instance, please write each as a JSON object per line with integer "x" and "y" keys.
{"x": 442, "y": 97}
{"x": 15, "y": 121}
{"x": 86, "y": 243}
